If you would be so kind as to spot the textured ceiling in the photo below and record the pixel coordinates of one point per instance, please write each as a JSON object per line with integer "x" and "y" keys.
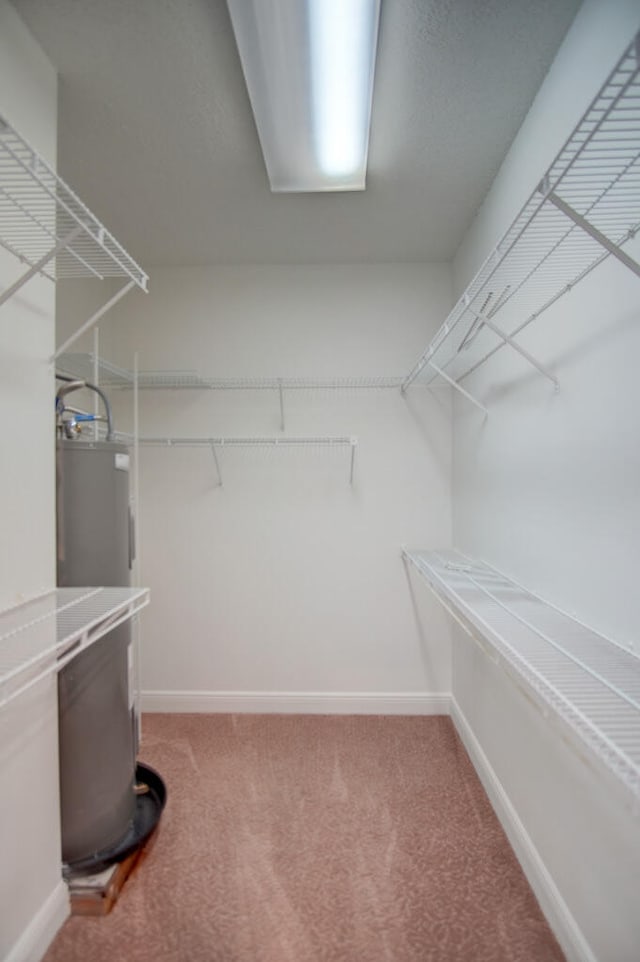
{"x": 156, "y": 132}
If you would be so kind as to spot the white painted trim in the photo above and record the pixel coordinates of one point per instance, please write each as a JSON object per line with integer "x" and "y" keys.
{"x": 563, "y": 924}
{"x": 298, "y": 702}
{"x": 40, "y": 932}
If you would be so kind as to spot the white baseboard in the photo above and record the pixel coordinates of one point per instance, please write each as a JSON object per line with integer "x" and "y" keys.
{"x": 36, "y": 938}
{"x": 298, "y": 702}
{"x": 556, "y": 911}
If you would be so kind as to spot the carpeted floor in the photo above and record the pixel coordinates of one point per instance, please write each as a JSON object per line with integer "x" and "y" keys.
{"x": 317, "y": 839}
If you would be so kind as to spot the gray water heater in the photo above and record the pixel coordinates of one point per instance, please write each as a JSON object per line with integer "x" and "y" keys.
{"x": 96, "y": 722}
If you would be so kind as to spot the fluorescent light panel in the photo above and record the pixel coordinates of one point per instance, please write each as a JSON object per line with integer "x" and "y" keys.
{"x": 308, "y": 66}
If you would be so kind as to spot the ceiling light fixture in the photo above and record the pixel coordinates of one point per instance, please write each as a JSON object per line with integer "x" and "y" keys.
{"x": 308, "y": 66}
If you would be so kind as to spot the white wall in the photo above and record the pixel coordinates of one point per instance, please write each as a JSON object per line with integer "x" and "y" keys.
{"x": 547, "y": 490}
{"x": 32, "y": 897}
{"x": 579, "y": 827}
{"x": 286, "y": 579}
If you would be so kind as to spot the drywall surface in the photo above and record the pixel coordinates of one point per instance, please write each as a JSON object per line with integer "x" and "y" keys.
{"x": 30, "y": 901}
{"x": 599, "y": 34}
{"x": 27, "y": 565}
{"x": 546, "y": 489}
{"x": 287, "y": 578}
{"x": 580, "y": 822}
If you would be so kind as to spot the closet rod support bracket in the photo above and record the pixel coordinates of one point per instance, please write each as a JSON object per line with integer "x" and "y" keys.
{"x": 593, "y": 232}
{"x": 410, "y": 378}
{"x": 454, "y": 384}
{"x": 508, "y": 339}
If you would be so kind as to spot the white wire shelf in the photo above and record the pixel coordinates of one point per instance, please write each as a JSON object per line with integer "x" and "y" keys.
{"x": 247, "y": 442}
{"x": 216, "y": 445}
{"x": 585, "y": 680}
{"x": 82, "y": 365}
{"x": 181, "y": 380}
{"x": 39, "y": 637}
{"x": 585, "y": 209}
{"x": 38, "y": 211}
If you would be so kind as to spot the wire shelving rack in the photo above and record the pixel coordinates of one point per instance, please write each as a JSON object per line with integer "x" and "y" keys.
{"x": 85, "y": 366}
{"x": 39, "y": 637}
{"x": 586, "y": 207}
{"x": 216, "y": 445}
{"x": 111, "y": 375}
{"x": 586, "y": 681}
{"x": 90, "y": 366}
{"x": 48, "y": 228}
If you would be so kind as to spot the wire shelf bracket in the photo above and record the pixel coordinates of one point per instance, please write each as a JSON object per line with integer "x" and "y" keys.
{"x": 588, "y": 228}
{"x": 93, "y": 320}
{"x": 485, "y": 321}
{"x": 45, "y": 224}
{"x": 217, "y": 463}
{"x": 585, "y": 208}
{"x": 585, "y": 682}
{"x": 457, "y": 387}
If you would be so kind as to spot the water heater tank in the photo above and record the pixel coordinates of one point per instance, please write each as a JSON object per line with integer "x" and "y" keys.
{"x": 96, "y": 723}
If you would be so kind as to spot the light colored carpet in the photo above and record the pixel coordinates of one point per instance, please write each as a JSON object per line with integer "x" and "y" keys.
{"x": 317, "y": 839}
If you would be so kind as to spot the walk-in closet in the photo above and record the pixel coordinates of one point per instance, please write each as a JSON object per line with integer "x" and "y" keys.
{"x": 319, "y": 625}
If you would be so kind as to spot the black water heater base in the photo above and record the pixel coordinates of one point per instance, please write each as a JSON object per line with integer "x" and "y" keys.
{"x": 148, "y": 809}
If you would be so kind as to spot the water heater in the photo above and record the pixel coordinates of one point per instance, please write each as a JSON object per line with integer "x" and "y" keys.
{"x": 97, "y": 731}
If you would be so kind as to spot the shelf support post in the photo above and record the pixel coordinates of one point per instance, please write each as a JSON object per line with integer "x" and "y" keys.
{"x": 93, "y": 319}
{"x": 508, "y": 339}
{"x": 593, "y": 232}
{"x": 96, "y": 376}
{"x": 137, "y": 571}
{"x": 37, "y": 267}
{"x": 457, "y": 387}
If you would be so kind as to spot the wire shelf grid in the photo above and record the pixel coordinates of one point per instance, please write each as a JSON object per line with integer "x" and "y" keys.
{"x": 589, "y": 682}
{"x": 38, "y": 637}
{"x": 546, "y": 251}
{"x": 248, "y": 442}
{"x": 111, "y": 375}
{"x": 81, "y": 366}
{"x": 39, "y": 213}
{"x": 178, "y": 380}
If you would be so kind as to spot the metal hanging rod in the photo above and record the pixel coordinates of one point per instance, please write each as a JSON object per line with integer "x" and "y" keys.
{"x": 585, "y": 209}
{"x": 45, "y": 225}
{"x": 576, "y": 676}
